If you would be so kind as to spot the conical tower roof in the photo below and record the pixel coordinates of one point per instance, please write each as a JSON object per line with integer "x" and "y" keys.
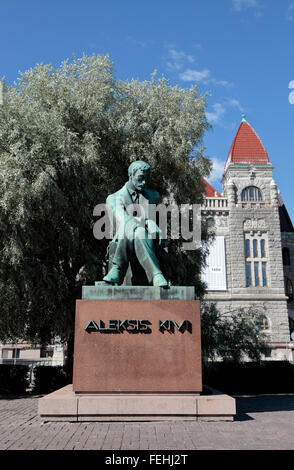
{"x": 247, "y": 147}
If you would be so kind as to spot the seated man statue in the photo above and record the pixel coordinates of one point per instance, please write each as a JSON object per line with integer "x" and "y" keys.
{"x": 137, "y": 238}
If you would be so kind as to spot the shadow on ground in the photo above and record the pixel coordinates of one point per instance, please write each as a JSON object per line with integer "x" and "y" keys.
{"x": 11, "y": 396}
{"x": 261, "y": 404}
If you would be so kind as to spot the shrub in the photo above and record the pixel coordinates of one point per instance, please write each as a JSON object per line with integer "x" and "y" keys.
{"x": 49, "y": 378}
{"x": 232, "y": 335}
{"x": 13, "y": 379}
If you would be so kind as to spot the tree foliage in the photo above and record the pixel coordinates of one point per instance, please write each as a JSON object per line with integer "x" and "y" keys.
{"x": 67, "y": 137}
{"x": 234, "y": 335}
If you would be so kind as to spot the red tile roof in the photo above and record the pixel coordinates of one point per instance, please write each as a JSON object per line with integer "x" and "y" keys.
{"x": 247, "y": 147}
{"x": 209, "y": 190}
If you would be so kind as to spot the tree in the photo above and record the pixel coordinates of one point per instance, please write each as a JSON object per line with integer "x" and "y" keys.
{"x": 234, "y": 335}
{"x": 67, "y": 137}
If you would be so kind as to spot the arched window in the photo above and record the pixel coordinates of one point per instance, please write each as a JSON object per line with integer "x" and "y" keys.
{"x": 286, "y": 256}
{"x": 289, "y": 289}
{"x": 251, "y": 193}
{"x": 210, "y": 222}
{"x": 266, "y": 323}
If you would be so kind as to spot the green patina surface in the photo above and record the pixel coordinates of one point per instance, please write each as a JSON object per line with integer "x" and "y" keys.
{"x": 102, "y": 292}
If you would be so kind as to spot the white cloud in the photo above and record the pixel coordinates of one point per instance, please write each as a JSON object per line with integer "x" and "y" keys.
{"x": 180, "y": 55}
{"x": 178, "y": 62}
{"x": 177, "y": 59}
{"x": 217, "y": 170}
{"x": 190, "y": 75}
{"x": 137, "y": 42}
{"x": 217, "y": 114}
{"x": 193, "y": 75}
{"x": 219, "y": 111}
{"x": 173, "y": 66}
{"x": 223, "y": 83}
{"x": 290, "y": 12}
{"x": 240, "y": 5}
{"x": 235, "y": 104}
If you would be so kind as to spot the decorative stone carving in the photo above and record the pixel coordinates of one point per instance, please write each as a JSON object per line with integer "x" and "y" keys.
{"x": 221, "y": 221}
{"x": 231, "y": 190}
{"x": 274, "y": 193}
{"x": 254, "y": 224}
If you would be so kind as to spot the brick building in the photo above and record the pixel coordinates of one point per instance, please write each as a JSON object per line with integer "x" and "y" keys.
{"x": 251, "y": 262}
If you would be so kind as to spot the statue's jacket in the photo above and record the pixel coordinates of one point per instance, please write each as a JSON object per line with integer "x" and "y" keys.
{"x": 125, "y": 213}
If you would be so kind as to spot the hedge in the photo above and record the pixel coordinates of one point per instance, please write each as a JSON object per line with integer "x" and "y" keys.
{"x": 14, "y": 379}
{"x": 250, "y": 377}
{"x": 49, "y": 378}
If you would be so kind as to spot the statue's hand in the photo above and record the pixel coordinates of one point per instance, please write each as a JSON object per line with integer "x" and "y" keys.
{"x": 153, "y": 228}
{"x": 129, "y": 229}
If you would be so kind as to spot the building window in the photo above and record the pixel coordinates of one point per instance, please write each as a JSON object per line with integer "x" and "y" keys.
{"x": 288, "y": 289}
{"x": 256, "y": 274}
{"x": 247, "y": 248}
{"x": 47, "y": 351}
{"x": 266, "y": 323}
{"x": 248, "y": 274}
{"x": 262, "y": 248}
{"x": 286, "y": 256}
{"x": 15, "y": 353}
{"x": 5, "y": 353}
{"x": 255, "y": 259}
{"x": 263, "y": 266}
{"x": 210, "y": 222}
{"x": 251, "y": 193}
{"x": 254, "y": 241}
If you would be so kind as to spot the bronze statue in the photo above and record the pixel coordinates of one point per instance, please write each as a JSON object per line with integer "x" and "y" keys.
{"x": 137, "y": 237}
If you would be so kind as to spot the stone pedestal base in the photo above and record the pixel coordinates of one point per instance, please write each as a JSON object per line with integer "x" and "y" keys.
{"x": 137, "y": 346}
{"x": 137, "y": 357}
{"x": 65, "y": 405}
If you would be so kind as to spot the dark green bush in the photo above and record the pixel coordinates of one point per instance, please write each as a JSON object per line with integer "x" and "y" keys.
{"x": 13, "y": 379}
{"x": 250, "y": 377}
{"x": 49, "y": 378}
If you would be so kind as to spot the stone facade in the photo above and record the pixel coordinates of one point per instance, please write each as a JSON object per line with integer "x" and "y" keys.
{"x": 253, "y": 249}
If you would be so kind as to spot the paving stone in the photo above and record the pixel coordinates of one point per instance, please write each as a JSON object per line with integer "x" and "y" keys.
{"x": 262, "y": 422}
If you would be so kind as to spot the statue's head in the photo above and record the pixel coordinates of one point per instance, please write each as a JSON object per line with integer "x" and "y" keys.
{"x": 139, "y": 173}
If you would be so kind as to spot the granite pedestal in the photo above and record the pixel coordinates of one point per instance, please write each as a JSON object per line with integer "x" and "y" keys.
{"x": 137, "y": 356}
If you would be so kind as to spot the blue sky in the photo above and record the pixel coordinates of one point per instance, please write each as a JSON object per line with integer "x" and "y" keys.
{"x": 240, "y": 51}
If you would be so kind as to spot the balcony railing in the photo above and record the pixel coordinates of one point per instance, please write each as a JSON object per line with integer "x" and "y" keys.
{"x": 253, "y": 204}
{"x": 221, "y": 203}
{"x": 215, "y": 203}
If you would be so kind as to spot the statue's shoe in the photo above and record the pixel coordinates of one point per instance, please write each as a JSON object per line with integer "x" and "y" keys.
{"x": 113, "y": 276}
{"x": 159, "y": 280}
